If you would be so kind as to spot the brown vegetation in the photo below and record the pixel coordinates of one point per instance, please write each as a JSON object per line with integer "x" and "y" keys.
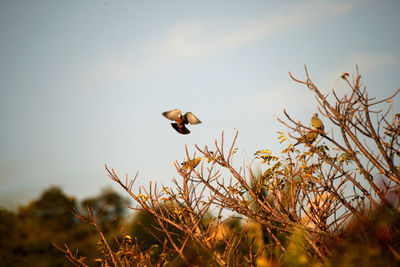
{"x": 336, "y": 201}
{"x": 333, "y": 200}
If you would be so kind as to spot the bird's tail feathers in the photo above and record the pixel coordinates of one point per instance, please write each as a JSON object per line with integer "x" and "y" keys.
{"x": 181, "y": 130}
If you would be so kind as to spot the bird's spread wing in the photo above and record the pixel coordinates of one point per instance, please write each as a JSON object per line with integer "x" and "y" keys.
{"x": 172, "y": 114}
{"x": 192, "y": 119}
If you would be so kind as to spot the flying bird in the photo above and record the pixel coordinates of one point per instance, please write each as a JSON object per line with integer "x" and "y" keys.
{"x": 181, "y": 120}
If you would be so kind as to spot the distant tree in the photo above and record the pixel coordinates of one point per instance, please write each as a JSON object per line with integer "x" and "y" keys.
{"x": 52, "y": 209}
{"x": 8, "y": 236}
{"x": 110, "y": 205}
{"x": 26, "y": 235}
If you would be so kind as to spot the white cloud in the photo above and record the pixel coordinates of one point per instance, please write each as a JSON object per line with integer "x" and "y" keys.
{"x": 198, "y": 40}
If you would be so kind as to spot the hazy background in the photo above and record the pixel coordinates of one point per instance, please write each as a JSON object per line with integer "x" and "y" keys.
{"x": 83, "y": 83}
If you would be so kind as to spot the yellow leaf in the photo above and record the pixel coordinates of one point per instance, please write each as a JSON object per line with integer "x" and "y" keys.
{"x": 209, "y": 238}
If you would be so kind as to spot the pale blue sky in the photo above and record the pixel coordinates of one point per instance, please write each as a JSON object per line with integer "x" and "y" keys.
{"x": 83, "y": 83}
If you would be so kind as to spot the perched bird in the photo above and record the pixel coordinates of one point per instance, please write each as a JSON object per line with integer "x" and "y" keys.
{"x": 191, "y": 164}
{"x": 309, "y": 137}
{"x": 344, "y": 75}
{"x": 181, "y": 120}
{"x": 317, "y": 124}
